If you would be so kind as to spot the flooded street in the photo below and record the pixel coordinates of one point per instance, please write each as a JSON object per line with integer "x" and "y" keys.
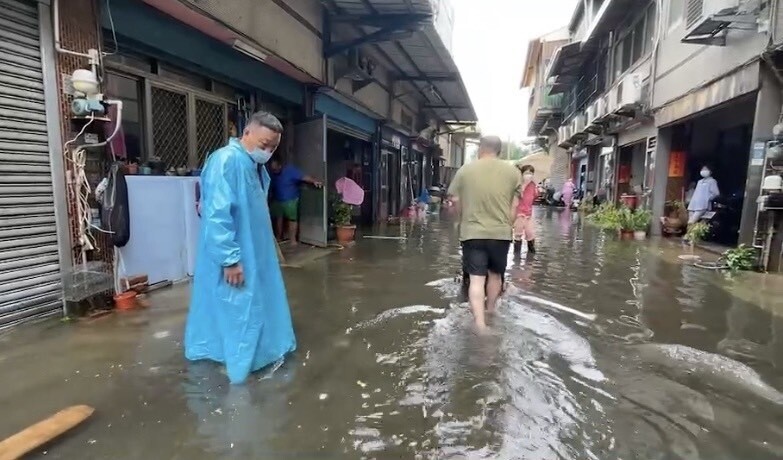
{"x": 601, "y": 350}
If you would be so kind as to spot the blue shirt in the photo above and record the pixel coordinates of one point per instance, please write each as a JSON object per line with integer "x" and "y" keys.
{"x": 285, "y": 184}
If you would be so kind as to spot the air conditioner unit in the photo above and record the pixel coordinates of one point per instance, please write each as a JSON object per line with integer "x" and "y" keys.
{"x": 611, "y": 100}
{"x": 600, "y": 108}
{"x": 696, "y": 11}
{"x": 592, "y": 113}
{"x": 629, "y": 91}
{"x": 706, "y": 21}
{"x": 579, "y": 124}
{"x": 564, "y": 132}
{"x": 356, "y": 67}
{"x": 595, "y": 116}
{"x": 564, "y": 136}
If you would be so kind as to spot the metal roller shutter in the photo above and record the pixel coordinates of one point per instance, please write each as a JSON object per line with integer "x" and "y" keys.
{"x": 30, "y": 275}
{"x": 335, "y": 125}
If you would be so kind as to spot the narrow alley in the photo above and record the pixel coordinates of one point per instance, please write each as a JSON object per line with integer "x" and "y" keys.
{"x": 603, "y": 349}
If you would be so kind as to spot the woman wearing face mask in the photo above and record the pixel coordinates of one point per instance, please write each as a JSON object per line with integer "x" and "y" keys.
{"x": 523, "y": 224}
{"x": 701, "y": 201}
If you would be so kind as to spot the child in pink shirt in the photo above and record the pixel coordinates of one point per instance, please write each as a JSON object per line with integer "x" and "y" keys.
{"x": 523, "y": 224}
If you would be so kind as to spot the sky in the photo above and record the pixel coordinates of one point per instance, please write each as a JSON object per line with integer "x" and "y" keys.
{"x": 490, "y": 45}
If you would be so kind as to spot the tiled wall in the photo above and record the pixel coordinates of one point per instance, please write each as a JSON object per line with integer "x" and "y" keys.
{"x": 79, "y": 31}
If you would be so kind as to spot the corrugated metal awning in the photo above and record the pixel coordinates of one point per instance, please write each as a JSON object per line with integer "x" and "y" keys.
{"x": 422, "y": 58}
{"x": 567, "y": 60}
{"x": 606, "y": 19}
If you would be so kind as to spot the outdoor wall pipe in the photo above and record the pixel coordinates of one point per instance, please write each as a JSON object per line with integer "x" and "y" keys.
{"x": 656, "y": 46}
{"x": 91, "y": 54}
{"x": 117, "y": 125}
{"x": 773, "y": 19}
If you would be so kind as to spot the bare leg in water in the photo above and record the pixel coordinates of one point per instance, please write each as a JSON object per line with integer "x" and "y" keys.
{"x": 476, "y": 297}
{"x": 279, "y": 228}
{"x": 494, "y": 290}
{"x": 465, "y": 286}
{"x": 293, "y": 232}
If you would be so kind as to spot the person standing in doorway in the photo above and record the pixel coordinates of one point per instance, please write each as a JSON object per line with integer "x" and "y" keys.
{"x": 706, "y": 191}
{"x": 523, "y": 225}
{"x": 239, "y": 313}
{"x": 286, "y": 180}
{"x": 487, "y": 193}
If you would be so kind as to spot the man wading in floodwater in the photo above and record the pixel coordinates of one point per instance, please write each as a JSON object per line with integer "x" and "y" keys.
{"x": 487, "y": 192}
{"x": 239, "y": 312}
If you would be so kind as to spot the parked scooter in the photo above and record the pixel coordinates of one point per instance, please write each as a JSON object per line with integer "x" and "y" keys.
{"x": 724, "y": 219}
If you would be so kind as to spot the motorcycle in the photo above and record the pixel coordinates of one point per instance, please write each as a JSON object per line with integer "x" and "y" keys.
{"x": 724, "y": 219}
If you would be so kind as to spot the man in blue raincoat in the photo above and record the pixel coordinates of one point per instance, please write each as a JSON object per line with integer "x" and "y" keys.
{"x": 239, "y": 312}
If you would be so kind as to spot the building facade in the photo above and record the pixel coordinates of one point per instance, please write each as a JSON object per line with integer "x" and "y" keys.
{"x": 654, "y": 90}
{"x": 362, "y": 91}
{"x": 545, "y": 110}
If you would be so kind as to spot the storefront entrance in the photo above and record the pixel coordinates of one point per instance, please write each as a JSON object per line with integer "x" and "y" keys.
{"x": 630, "y": 169}
{"x": 350, "y": 156}
{"x": 400, "y": 173}
{"x": 721, "y": 141}
{"x": 327, "y": 147}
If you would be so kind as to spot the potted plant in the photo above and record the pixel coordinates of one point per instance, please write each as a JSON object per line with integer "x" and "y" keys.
{"x": 343, "y": 214}
{"x": 641, "y": 221}
{"x": 606, "y": 216}
{"x": 627, "y": 223}
{"x": 740, "y": 258}
{"x": 696, "y": 232}
{"x": 586, "y": 206}
{"x": 675, "y": 218}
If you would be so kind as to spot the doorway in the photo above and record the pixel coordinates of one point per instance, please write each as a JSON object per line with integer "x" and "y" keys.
{"x": 351, "y": 157}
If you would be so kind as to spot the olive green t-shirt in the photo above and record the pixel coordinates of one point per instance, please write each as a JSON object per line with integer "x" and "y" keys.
{"x": 486, "y": 189}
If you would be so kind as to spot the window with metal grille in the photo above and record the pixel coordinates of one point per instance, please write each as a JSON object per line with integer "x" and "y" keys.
{"x": 210, "y": 128}
{"x": 170, "y": 127}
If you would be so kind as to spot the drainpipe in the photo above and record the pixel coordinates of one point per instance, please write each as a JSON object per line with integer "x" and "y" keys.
{"x": 653, "y": 70}
{"x": 376, "y": 162}
{"x": 654, "y": 57}
{"x": 92, "y": 54}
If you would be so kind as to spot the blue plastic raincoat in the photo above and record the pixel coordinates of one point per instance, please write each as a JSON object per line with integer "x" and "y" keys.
{"x": 249, "y": 327}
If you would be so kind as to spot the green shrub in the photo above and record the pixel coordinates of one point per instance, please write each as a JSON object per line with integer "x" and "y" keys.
{"x": 342, "y": 212}
{"x": 740, "y": 258}
{"x": 641, "y": 220}
{"x": 607, "y": 217}
{"x": 696, "y": 232}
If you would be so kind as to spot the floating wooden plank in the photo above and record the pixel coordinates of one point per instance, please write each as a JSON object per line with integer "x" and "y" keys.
{"x": 43, "y": 432}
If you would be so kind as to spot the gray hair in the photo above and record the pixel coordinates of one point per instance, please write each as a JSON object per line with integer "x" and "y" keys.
{"x": 266, "y": 120}
{"x": 491, "y": 143}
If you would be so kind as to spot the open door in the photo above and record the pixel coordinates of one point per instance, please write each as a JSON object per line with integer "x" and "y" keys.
{"x": 310, "y": 158}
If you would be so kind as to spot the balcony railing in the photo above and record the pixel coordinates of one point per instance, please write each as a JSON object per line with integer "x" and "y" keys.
{"x": 543, "y": 106}
{"x": 551, "y": 101}
{"x": 581, "y": 93}
{"x": 541, "y": 99}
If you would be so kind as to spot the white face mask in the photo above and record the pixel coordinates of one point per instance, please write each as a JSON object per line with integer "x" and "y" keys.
{"x": 527, "y": 177}
{"x": 260, "y": 156}
{"x": 705, "y": 173}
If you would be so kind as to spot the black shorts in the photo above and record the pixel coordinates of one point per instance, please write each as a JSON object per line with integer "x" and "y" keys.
{"x": 480, "y": 257}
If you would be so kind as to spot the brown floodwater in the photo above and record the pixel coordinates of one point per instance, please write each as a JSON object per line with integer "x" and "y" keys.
{"x": 602, "y": 349}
